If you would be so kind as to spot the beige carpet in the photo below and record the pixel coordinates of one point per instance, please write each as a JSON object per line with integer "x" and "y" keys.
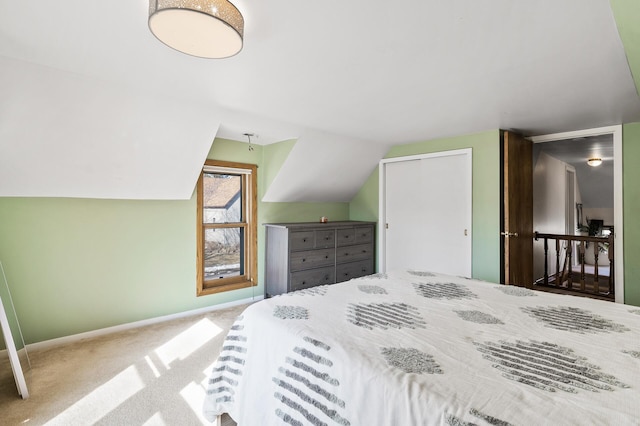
{"x": 152, "y": 375}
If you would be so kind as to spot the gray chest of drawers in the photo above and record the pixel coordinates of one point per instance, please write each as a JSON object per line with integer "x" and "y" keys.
{"x": 304, "y": 255}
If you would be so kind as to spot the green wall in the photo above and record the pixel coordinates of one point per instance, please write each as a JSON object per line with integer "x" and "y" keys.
{"x": 486, "y": 195}
{"x": 631, "y": 210}
{"x": 627, "y": 14}
{"x": 76, "y": 265}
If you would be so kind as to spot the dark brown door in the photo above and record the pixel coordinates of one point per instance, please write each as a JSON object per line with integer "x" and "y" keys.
{"x": 517, "y": 210}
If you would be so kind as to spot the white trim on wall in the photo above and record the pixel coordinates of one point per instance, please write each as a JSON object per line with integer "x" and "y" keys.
{"x": 616, "y": 131}
{"x": 570, "y": 208}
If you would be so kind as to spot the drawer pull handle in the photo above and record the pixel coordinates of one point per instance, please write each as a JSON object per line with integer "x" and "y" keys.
{"x": 304, "y": 240}
{"x": 346, "y": 274}
{"x": 326, "y": 257}
{"x": 364, "y": 251}
{"x": 326, "y": 277}
{"x": 346, "y": 254}
{"x": 346, "y": 236}
{"x": 304, "y": 260}
{"x": 304, "y": 282}
{"x": 364, "y": 269}
{"x": 326, "y": 238}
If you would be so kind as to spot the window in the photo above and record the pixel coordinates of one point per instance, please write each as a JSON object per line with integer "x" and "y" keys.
{"x": 227, "y": 227}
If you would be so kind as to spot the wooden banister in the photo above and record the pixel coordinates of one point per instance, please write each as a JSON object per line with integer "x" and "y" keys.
{"x": 565, "y": 278}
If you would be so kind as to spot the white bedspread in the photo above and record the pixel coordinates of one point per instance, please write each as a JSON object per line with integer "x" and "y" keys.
{"x": 414, "y": 348}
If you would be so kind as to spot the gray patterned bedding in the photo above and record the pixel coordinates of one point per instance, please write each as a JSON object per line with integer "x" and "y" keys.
{"x": 416, "y": 348}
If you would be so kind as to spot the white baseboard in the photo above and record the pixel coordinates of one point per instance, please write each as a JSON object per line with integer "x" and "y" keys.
{"x": 128, "y": 326}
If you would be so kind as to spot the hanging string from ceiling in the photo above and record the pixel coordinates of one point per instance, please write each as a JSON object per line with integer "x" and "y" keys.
{"x": 248, "y": 135}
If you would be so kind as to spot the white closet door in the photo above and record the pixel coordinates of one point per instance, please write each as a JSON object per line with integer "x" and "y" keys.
{"x": 427, "y": 209}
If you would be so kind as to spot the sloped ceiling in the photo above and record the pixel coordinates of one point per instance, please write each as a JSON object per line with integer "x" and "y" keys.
{"x": 67, "y": 136}
{"x": 90, "y": 97}
{"x": 322, "y": 167}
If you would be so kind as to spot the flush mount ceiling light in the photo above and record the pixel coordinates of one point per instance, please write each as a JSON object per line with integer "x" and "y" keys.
{"x": 202, "y": 28}
{"x": 593, "y": 162}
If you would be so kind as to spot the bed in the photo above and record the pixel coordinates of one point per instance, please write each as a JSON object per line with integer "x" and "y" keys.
{"x": 418, "y": 348}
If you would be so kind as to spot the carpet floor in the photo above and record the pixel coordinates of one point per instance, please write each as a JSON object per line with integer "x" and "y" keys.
{"x": 151, "y": 375}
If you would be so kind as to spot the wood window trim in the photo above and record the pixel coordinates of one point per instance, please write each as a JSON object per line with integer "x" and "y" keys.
{"x": 250, "y": 209}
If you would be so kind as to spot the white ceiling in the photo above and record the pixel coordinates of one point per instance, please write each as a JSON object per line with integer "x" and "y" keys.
{"x": 368, "y": 73}
{"x": 595, "y": 183}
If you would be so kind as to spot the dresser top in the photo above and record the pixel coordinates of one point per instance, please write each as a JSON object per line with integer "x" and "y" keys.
{"x": 336, "y": 224}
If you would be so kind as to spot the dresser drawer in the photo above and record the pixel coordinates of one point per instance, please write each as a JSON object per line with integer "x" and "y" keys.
{"x": 353, "y": 253}
{"x": 312, "y": 259}
{"x": 364, "y": 234}
{"x": 325, "y": 239}
{"x": 302, "y": 240}
{"x": 347, "y": 271}
{"x": 305, "y": 279}
{"x": 346, "y": 237}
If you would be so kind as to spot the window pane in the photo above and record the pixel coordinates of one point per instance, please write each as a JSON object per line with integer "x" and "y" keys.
{"x": 222, "y": 198}
{"x": 223, "y": 253}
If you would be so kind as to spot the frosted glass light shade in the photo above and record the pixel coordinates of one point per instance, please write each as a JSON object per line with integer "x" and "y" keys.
{"x": 594, "y": 162}
{"x": 202, "y": 28}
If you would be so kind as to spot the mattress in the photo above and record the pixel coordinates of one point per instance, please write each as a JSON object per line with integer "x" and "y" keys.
{"x": 419, "y": 348}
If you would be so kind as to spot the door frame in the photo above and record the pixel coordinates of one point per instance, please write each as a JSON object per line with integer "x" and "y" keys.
{"x": 616, "y": 131}
{"x": 570, "y": 210}
{"x": 382, "y": 214}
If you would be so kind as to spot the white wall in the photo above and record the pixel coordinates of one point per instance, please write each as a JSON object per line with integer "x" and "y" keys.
{"x": 598, "y": 213}
{"x": 606, "y": 215}
{"x": 549, "y": 186}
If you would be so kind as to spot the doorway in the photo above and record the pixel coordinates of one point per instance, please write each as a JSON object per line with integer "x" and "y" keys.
{"x": 615, "y": 157}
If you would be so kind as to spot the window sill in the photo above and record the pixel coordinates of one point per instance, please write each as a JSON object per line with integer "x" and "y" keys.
{"x": 213, "y": 289}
